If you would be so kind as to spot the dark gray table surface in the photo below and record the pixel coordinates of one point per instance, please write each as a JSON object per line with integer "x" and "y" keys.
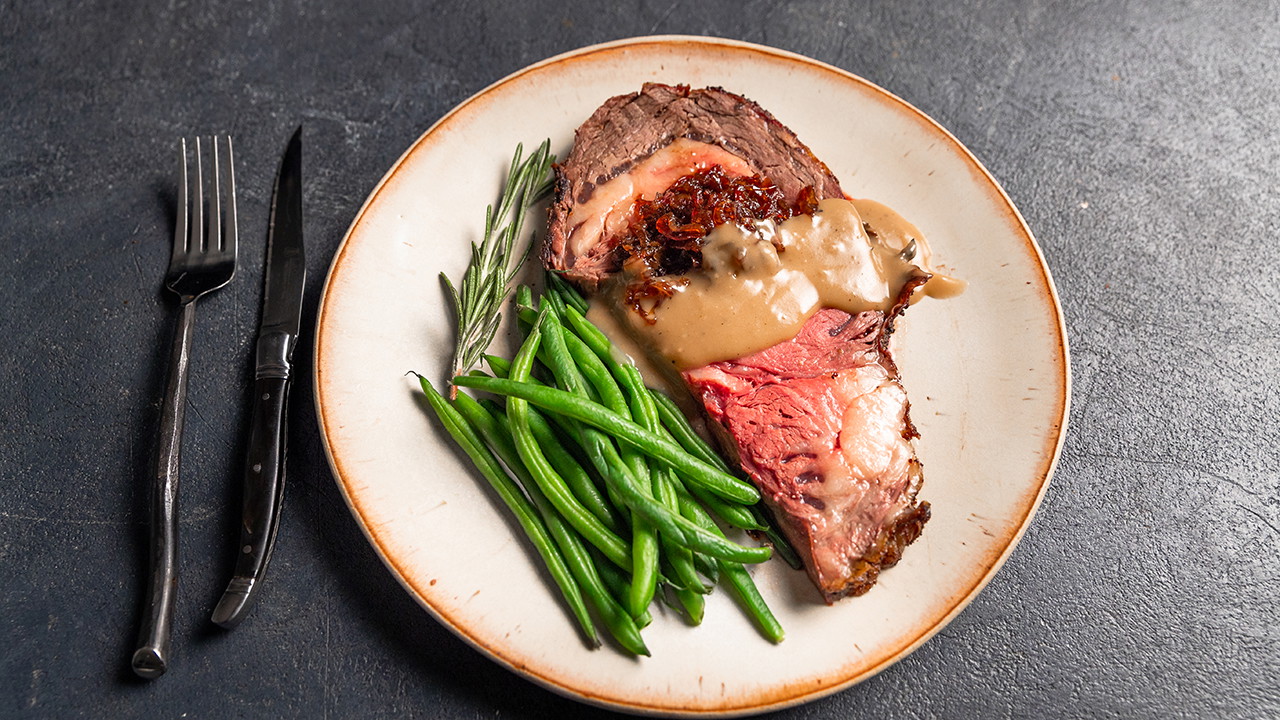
{"x": 1138, "y": 140}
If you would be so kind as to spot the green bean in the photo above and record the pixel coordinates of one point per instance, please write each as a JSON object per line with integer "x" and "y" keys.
{"x": 506, "y": 441}
{"x": 739, "y": 516}
{"x": 612, "y": 397}
{"x": 642, "y": 406}
{"x": 737, "y": 578}
{"x": 679, "y": 558}
{"x": 644, "y": 563}
{"x": 620, "y": 587}
{"x": 646, "y": 401}
{"x": 577, "y": 361}
{"x": 570, "y": 380}
{"x": 627, "y": 374}
{"x": 667, "y": 576}
{"x": 650, "y": 443}
{"x": 665, "y": 483}
{"x": 500, "y": 366}
{"x": 577, "y": 365}
{"x": 620, "y": 624}
{"x": 748, "y": 596}
{"x": 645, "y": 543}
{"x": 526, "y": 515}
{"x": 586, "y": 340}
{"x": 680, "y": 529}
{"x": 570, "y": 469}
{"x": 574, "y": 380}
{"x": 644, "y": 411}
{"x": 572, "y": 370}
{"x": 525, "y": 317}
{"x": 579, "y": 480}
{"x": 644, "y": 538}
{"x": 553, "y": 298}
{"x": 584, "y": 437}
{"x": 524, "y": 296}
{"x": 555, "y": 354}
{"x": 693, "y": 602}
{"x": 599, "y": 400}
{"x": 567, "y": 293}
{"x": 785, "y": 549}
{"x": 597, "y": 374}
{"x": 676, "y": 424}
{"x": 708, "y": 567}
{"x": 590, "y": 334}
{"x": 568, "y": 377}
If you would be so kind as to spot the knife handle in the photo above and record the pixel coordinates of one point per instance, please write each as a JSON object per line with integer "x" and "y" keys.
{"x": 263, "y": 496}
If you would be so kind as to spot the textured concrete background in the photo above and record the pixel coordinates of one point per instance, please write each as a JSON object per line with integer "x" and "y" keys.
{"x": 1139, "y": 140}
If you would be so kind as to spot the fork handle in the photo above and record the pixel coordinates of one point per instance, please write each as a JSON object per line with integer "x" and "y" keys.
{"x": 151, "y": 658}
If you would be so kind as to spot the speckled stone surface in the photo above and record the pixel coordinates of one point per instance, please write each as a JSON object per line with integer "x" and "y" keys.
{"x": 1138, "y": 140}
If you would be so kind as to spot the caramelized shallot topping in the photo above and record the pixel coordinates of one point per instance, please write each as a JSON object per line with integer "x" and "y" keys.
{"x": 665, "y": 235}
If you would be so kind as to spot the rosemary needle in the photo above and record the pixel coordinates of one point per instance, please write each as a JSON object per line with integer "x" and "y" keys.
{"x": 495, "y": 262}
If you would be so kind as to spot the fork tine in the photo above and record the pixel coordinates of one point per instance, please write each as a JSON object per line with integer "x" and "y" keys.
{"x": 215, "y": 213}
{"x": 180, "y": 219}
{"x": 232, "y": 234}
{"x": 196, "y": 243}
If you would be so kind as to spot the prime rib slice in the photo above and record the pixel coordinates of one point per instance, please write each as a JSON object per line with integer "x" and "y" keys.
{"x": 820, "y": 423}
{"x": 724, "y": 128}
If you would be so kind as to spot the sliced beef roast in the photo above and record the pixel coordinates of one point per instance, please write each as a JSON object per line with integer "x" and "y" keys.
{"x": 676, "y": 129}
{"x": 819, "y": 423}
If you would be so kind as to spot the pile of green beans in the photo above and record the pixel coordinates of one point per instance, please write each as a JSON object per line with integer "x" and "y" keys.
{"x": 615, "y": 490}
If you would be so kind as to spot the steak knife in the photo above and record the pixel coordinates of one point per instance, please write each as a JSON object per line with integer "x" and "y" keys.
{"x": 283, "y": 282}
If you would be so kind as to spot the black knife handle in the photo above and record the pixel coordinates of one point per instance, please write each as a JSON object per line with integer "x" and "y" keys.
{"x": 263, "y": 496}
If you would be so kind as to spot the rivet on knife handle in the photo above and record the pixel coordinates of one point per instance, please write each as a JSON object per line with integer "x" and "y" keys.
{"x": 283, "y": 283}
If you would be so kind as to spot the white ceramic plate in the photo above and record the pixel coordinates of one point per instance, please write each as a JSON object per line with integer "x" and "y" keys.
{"x": 986, "y": 372}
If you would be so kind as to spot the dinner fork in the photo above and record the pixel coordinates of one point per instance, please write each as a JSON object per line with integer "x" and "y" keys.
{"x": 201, "y": 262}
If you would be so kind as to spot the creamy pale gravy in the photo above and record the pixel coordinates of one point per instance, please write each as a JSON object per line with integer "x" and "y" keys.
{"x": 658, "y": 372}
{"x": 757, "y": 287}
{"x": 893, "y": 230}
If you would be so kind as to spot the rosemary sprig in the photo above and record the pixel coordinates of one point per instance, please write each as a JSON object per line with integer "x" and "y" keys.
{"x": 495, "y": 261}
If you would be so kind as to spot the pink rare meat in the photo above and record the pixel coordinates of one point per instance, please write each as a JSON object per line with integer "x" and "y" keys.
{"x": 820, "y": 425}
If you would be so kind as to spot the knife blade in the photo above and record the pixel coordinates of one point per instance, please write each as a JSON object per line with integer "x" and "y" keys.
{"x": 278, "y": 329}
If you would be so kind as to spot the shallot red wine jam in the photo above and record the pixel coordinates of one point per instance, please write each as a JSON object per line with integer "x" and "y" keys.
{"x": 665, "y": 235}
